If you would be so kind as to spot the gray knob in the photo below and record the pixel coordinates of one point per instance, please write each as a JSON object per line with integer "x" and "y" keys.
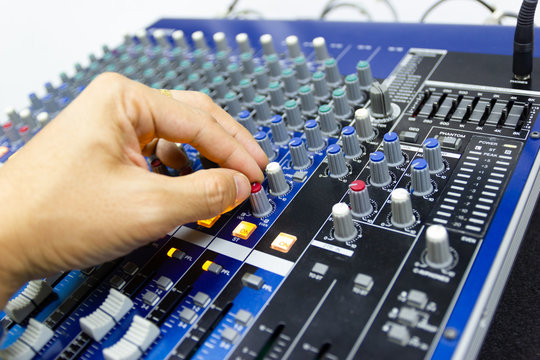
{"x": 402, "y": 213}
{"x": 25, "y": 133}
{"x": 380, "y": 176}
{"x": 329, "y": 124}
{"x": 420, "y": 181}
{"x": 392, "y": 149}
{"x": 336, "y": 161}
{"x": 261, "y": 78}
{"x": 277, "y": 98}
{"x": 194, "y": 81}
{"x": 294, "y": 117}
{"x": 209, "y": 71}
{"x": 272, "y": 62}
{"x": 302, "y": 71}
{"x": 344, "y": 229}
{"x": 363, "y": 125}
{"x": 43, "y": 118}
{"x": 220, "y": 87}
{"x": 199, "y": 40}
{"x": 28, "y": 119}
{"x": 260, "y": 205}
{"x": 321, "y": 52}
{"x": 247, "y": 63}
{"x": 184, "y": 69}
{"x": 245, "y": 119}
{"x": 262, "y": 109}
{"x": 321, "y": 87}
{"x": 307, "y": 100}
{"x": 233, "y": 104}
{"x": 293, "y": 46}
{"x": 264, "y": 142}
{"x": 222, "y": 59}
{"x": 290, "y": 82}
{"x": 341, "y": 105}
{"x": 381, "y": 104}
{"x": 248, "y": 92}
{"x": 314, "y": 139}
{"x": 199, "y": 58}
{"x": 221, "y": 42}
{"x": 433, "y": 155}
{"x": 359, "y": 198}
{"x": 242, "y": 40}
{"x": 267, "y": 44}
{"x": 180, "y": 39}
{"x": 333, "y": 77}
{"x": 276, "y": 179}
{"x": 10, "y": 132}
{"x": 235, "y": 74}
{"x": 364, "y": 75}
{"x": 437, "y": 247}
{"x": 351, "y": 144}
{"x": 279, "y": 130}
{"x": 160, "y": 37}
{"x": 299, "y": 156}
{"x": 354, "y": 92}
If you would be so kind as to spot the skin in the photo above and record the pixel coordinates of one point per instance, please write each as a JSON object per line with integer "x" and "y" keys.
{"x": 80, "y": 192}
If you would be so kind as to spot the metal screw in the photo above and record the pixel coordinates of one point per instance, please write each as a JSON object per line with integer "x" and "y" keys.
{"x": 450, "y": 333}
{"x": 535, "y": 135}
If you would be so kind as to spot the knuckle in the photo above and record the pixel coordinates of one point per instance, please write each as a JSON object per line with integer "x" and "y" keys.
{"x": 217, "y": 194}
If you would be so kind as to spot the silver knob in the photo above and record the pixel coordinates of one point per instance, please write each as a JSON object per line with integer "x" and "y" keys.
{"x": 341, "y": 105}
{"x": 359, "y": 198}
{"x": 248, "y": 65}
{"x": 264, "y": 142}
{"x": 433, "y": 155}
{"x": 289, "y": 81}
{"x": 248, "y": 92}
{"x": 320, "y": 85}
{"x": 261, "y": 78}
{"x": 262, "y": 109}
{"x": 328, "y": 120}
{"x": 307, "y": 100}
{"x": 378, "y": 167}
{"x": 354, "y": 92}
{"x": 392, "y": 149}
{"x": 233, "y": 104}
{"x": 294, "y": 117}
{"x": 314, "y": 139}
{"x": 277, "y": 98}
{"x": 344, "y": 229}
{"x": 336, "y": 161}
{"x": 437, "y": 247}
{"x": 351, "y": 144}
{"x": 260, "y": 205}
{"x": 279, "y": 130}
{"x": 402, "y": 213}
{"x": 302, "y": 71}
{"x": 276, "y": 179}
{"x": 272, "y": 62}
{"x": 363, "y": 125}
{"x": 299, "y": 156}
{"x": 364, "y": 74}
{"x": 381, "y": 104}
{"x": 421, "y": 183}
{"x": 333, "y": 77}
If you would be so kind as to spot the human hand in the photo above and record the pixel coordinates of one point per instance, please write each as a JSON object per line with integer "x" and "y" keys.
{"x": 80, "y": 192}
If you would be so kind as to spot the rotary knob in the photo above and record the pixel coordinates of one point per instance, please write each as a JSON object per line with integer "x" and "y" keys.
{"x": 381, "y": 104}
{"x": 262, "y": 109}
{"x": 264, "y": 142}
{"x": 294, "y": 116}
{"x": 341, "y": 105}
{"x": 392, "y": 149}
{"x": 279, "y": 130}
{"x": 314, "y": 139}
{"x": 380, "y": 176}
{"x": 402, "y": 213}
{"x": 359, "y": 199}
{"x": 276, "y": 179}
{"x": 260, "y": 205}
{"x": 293, "y": 46}
{"x": 364, "y": 74}
{"x": 321, "y": 87}
{"x": 329, "y": 124}
{"x": 267, "y": 44}
{"x": 232, "y": 102}
{"x": 336, "y": 161}
{"x": 351, "y": 144}
{"x": 344, "y": 229}
{"x": 299, "y": 156}
{"x": 354, "y": 91}
{"x": 321, "y": 51}
{"x": 244, "y": 118}
{"x": 242, "y": 40}
{"x": 420, "y": 181}
{"x": 248, "y": 65}
{"x": 363, "y": 125}
{"x": 302, "y": 71}
{"x": 433, "y": 155}
{"x": 277, "y": 98}
{"x": 333, "y": 77}
{"x": 307, "y": 100}
{"x": 437, "y": 247}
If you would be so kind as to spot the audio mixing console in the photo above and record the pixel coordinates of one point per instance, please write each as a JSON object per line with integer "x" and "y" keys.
{"x": 389, "y": 219}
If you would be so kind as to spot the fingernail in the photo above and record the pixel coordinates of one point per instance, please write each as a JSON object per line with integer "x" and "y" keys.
{"x": 243, "y": 188}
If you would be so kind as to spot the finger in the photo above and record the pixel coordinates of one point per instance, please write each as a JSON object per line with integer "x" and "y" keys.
{"x": 200, "y": 195}
{"x": 171, "y": 155}
{"x": 239, "y": 132}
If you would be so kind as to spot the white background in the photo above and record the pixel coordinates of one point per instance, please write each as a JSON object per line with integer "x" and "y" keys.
{"x": 41, "y": 38}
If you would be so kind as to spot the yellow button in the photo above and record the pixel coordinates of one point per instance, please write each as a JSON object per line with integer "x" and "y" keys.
{"x": 3, "y": 150}
{"x": 283, "y": 242}
{"x": 244, "y": 230}
{"x": 208, "y": 223}
{"x": 206, "y": 265}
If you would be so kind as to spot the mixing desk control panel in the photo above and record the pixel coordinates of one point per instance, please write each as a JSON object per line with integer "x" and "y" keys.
{"x": 400, "y": 182}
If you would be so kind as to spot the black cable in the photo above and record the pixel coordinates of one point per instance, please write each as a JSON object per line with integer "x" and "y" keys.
{"x": 440, "y": 2}
{"x": 524, "y": 41}
{"x": 231, "y": 7}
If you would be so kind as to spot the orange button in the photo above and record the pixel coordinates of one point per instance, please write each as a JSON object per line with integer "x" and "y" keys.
{"x": 244, "y": 230}
{"x": 283, "y": 242}
{"x": 3, "y": 150}
{"x": 208, "y": 223}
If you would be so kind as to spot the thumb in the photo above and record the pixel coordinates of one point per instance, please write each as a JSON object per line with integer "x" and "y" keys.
{"x": 203, "y": 194}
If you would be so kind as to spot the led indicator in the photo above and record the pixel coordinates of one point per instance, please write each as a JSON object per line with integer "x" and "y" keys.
{"x": 244, "y": 230}
{"x": 206, "y": 265}
{"x": 3, "y": 150}
{"x": 283, "y": 242}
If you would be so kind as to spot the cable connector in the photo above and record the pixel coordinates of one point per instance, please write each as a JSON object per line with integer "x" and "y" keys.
{"x": 524, "y": 41}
